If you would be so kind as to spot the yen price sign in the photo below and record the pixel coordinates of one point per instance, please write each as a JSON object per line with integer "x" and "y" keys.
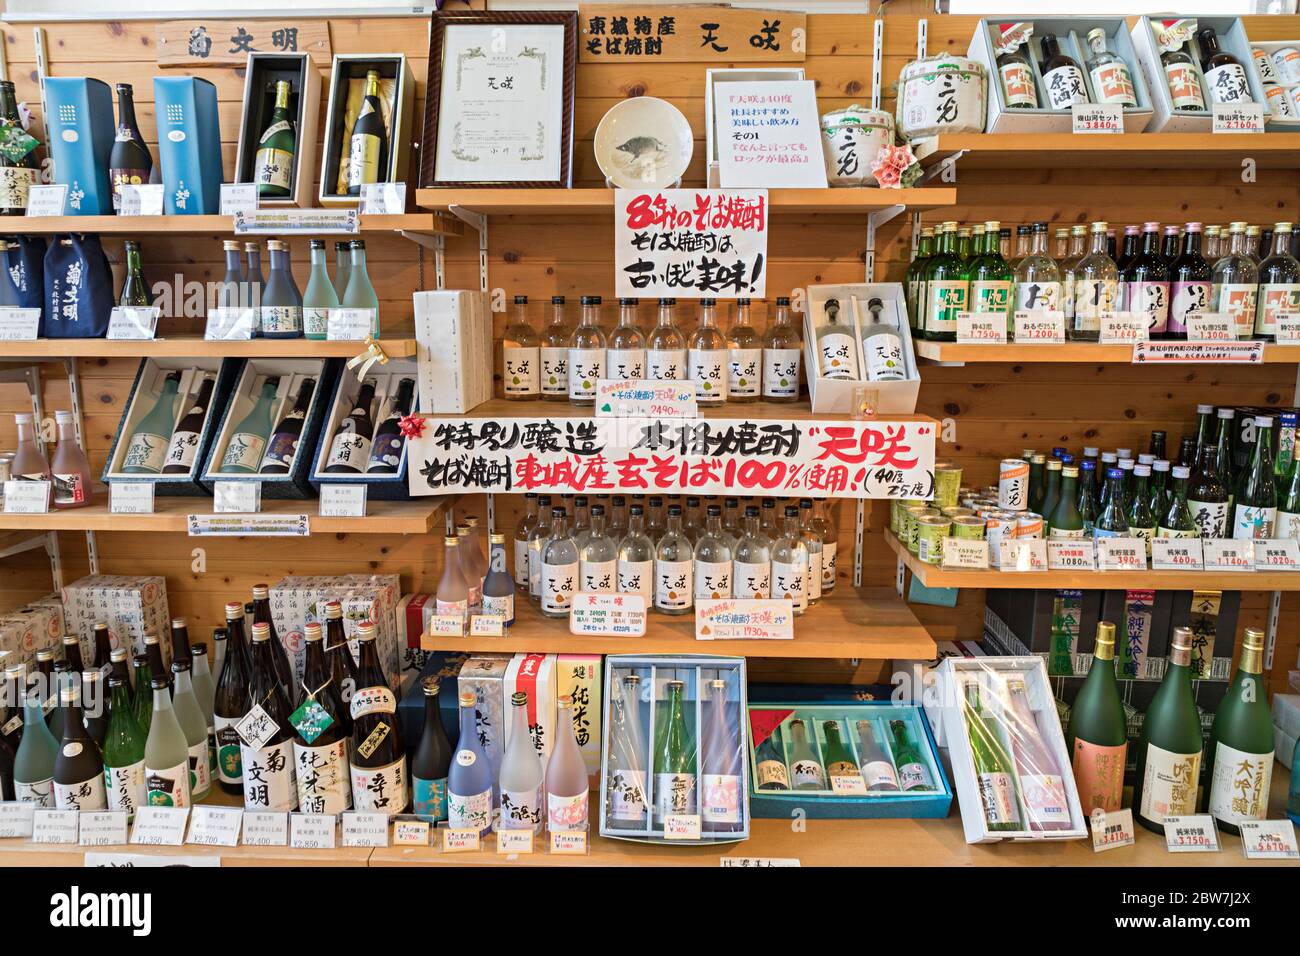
{"x": 311, "y": 720}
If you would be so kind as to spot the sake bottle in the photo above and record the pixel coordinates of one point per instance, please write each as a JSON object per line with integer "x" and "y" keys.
{"x": 273, "y": 164}
{"x": 146, "y": 452}
{"x": 469, "y": 779}
{"x": 78, "y": 766}
{"x": 878, "y": 770}
{"x": 360, "y": 293}
{"x": 627, "y": 757}
{"x": 772, "y": 773}
{"x": 1097, "y": 734}
{"x": 166, "y": 752}
{"x": 566, "y": 775}
{"x": 190, "y": 716}
{"x": 34, "y": 761}
{"x": 281, "y": 301}
{"x": 674, "y": 783}
{"x": 123, "y": 752}
{"x": 248, "y": 439}
{"x": 1241, "y": 743}
{"x": 805, "y": 767}
{"x": 994, "y": 773}
{"x": 722, "y": 801}
{"x": 521, "y": 773}
{"x": 319, "y": 297}
{"x": 498, "y": 587}
{"x": 431, "y": 761}
{"x": 1169, "y": 749}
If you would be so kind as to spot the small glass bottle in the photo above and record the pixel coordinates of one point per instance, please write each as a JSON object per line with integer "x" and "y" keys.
{"x": 790, "y": 563}
{"x": 520, "y": 356}
{"x": 744, "y": 357}
{"x": 1224, "y": 74}
{"x": 1279, "y": 283}
{"x": 751, "y": 570}
{"x": 1037, "y": 278}
{"x": 537, "y": 537}
{"x": 360, "y": 293}
{"x": 813, "y": 542}
{"x": 674, "y": 568}
{"x": 782, "y": 355}
{"x": 806, "y": 770}
{"x": 281, "y": 301}
{"x": 1096, "y": 288}
{"x": 636, "y": 557}
{"x": 597, "y": 555}
{"x": 527, "y": 521}
{"x": 560, "y": 567}
{"x": 625, "y": 356}
{"x": 498, "y": 586}
{"x": 706, "y": 358}
{"x": 554, "y": 351}
{"x": 69, "y": 467}
{"x": 1061, "y": 76}
{"x": 1182, "y": 79}
{"x": 1111, "y": 81}
{"x": 586, "y": 354}
{"x": 713, "y": 557}
{"x": 665, "y": 347}
{"x": 452, "y": 596}
{"x": 1019, "y": 90}
{"x": 1190, "y": 287}
{"x": 1236, "y": 282}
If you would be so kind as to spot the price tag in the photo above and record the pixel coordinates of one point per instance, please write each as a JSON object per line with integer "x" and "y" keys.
{"x": 460, "y": 841}
{"x": 753, "y": 619}
{"x": 1022, "y": 556}
{"x": 1071, "y": 554}
{"x": 160, "y": 826}
{"x": 487, "y": 625}
{"x": 569, "y": 842}
{"x": 237, "y": 497}
{"x": 1238, "y": 118}
{"x": 1211, "y": 327}
{"x": 1122, "y": 554}
{"x": 16, "y": 818}
{"x": 131, "y": 498}
{"x": 342, "y": 501}
{"x": 965, "y": 553}
{"x": 1111, "y": 830}
{"x": 215, "y": 826}
{"x": 383, "y": 199}
{"x": 1286, "y": 329}
{"x": 639, "y": 398}
{"x": 311, "y": 831}
{"x": 230, "y": 325}
{"x": 47, "y": 200}
{"x": 1191, "y": 834}
{"x": 132, "y": 323}
{"x": 19, "y": 325}
{"x": 1268, "y": 840}
{"x": 1040, "y": 328}
{"x": 1229, "y": 554}
{"x": 238, "y": 197}
{"x": 682, "y": 826}
{"x": 349, "y": 325}
{"x": 27, "y": 497}
{"x": 1277, "y": 555}
{"x": 514, "y": 841}
{"x": 364, "y": 828}
{"x": 54, "y": 826}
{"x": 1124, "y": 328}
{"x": 1097, "y": 118}
{"x": 145, "y": 199}
{"x": 756, "y": 862}
{"x": 852, "y": 784}
{"x": 981, "y": 328}
{"x": 102, "y": 828}
{"x": 607, "y": 615}
{"x": 447, "y": 625}
{"x": 266, "y": 828}
{"x": 1177, "y": 554}
{"x": 410, "y": 833}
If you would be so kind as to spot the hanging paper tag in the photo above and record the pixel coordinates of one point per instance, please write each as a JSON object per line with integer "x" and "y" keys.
{"x": 311, "y": 720}
{"x": 256, "y": 727}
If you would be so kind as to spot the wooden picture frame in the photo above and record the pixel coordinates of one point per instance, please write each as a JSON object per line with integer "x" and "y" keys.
{"x": 440, "y": 46}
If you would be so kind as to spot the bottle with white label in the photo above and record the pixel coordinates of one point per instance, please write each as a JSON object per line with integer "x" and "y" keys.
{"x": 1254, "y": 506}
{"x": 1236, "y": 282}
{"x": 636, "y": 556}
{"x": 378, "y": 753}
{"x": 166, "y": 752}
{"x": 69, "y": 467}
{"x": 323, "y": 722}
{"x": 882, "y": 346}
{"x": 1019, "y": 90}
{"x": 1279, "y": 283}
{"x": 751, "y": 569}
{"x": 527, "y": 521}
{"x": 281, "y": 301}
{"x": 744, "y": 357}
{"x": 319, "y": 297}
{"x": 1037, "y": 277}
{"x": 790, "y": 563}
{"x": 566, "y": 775}
{"x": 771, "y": 771}
{"x": 812, "y": 539}
{"x": 806, "y": 772}
{"x": 554, "y": 352}
{"x": 598, "y": 555}
{"x": 452, "y": 596}
{"x": 877, "y": 769}
{"x": 537, "y": 538}
{"x": 782, "y": 356}
{"x": 674, "y": 567}
{"x": 469, "y": 778}
{"x": 1169, "y": 749}
{"x": 665, "y": 347}
{"x": 586, "y": 354}
{"x": 266, "y": 746}
{"x": 1062, "y": 77}
{"x": 244, "y": 450}
{"x": 713, "y": 559}
{"x": 1191, "y": 287}
{"x": 1177, "y": 521}
{"x": 707, "y": 358}
{"x": 1241, "y": 744}
{"x": 190, "y": 716}
{"x": 146, "y": 452}
{"x": 1182, "y": 79}
{"x": 1224, "y": 75}
{"x": 721, "y": 798}
{"x": 521, "y": 773}
{"x": 350, "y": 446}
{"x": 521, "y": 356}
{"x": 836, "y": 347}
{"x": 1096, "y": 288}
{"x": 78, "y": 769}
{"x": 123, "y": 750}
{"x": 627, "y": 756}
{"x": 498, "y": 585}
{"x": 1111, "y": 80}
{"x": 560, "y": 567}
{"x": 625, "y": 351}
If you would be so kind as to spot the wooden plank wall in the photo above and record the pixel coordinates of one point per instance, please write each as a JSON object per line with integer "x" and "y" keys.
{"x": 997, "y": 409}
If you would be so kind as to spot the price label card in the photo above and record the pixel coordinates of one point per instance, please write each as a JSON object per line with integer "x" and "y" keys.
{"x": 349, "y": 325}
{"x": 131, "y": 323}
{"x": 47, "y": 200}
{"x": 1071, "y": 554}
{"x": 447, "y": 625}
{"x": 1022, "y": 556}
{"x": 851, "y": 784}
{"x": 410, "y": 833}
{"x": 1211, "y": 327}
{"x": 607, "y": 615}
{"x": 682, "y": 826}
{"x": 744, "y": 619}
{"x": 311, "y": 831}
{"x": 1286, "y": 329}
{"x": 965, "y": 553}
{"x": 238, "y": 197}
{"x": 364, "y": 828}
{"x": 1216, "y": 353}
{"x": 131, "y": 498}
{"x": 1268, "y": 840}
{"x": 514, "y": 841}
{"x": 16, "y": 818}
{"x": 145, "y": 199}
{"x": 19, "y": 325}
{"x": 1097, "y": 118}
{"x": 460, "y": 841}
{"x": 1277, "y": 555}
{"x": 757, "y": 862}
{"x": 102, "y": 828}
{"x": 230, "y": 325}
{"x": 641, "y": 398}
{"x": 1124, "y": 328}
{"x": 160, "y": 826}
{"x": 1111, "y": 830}
{"x": 1040, "y": 328}
{"x": 237, "y": 497}
{"x": 266, "y": 828}
{"x": 1229, "y": 554}
{"x": 55, "y": 826}
{"x": 27, "y": 497}
{"x": 383, "y": 199}
{"x": 215, "y": 826}
{"x": 569, "y": 842}
{"x": 1238, "y": 118}
{"x": 284, "y": 219}
{"x": 1122, "y": 554}
{"x": 1177, "y": 554}
{"x": 1191, "y": 834}
{"x": 981, "y": 328}
{"x": 487, "y": 625}
{"x": 342, "y": 501}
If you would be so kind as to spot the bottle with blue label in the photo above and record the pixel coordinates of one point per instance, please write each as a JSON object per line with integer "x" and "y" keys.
{"x": 469, "y": 777}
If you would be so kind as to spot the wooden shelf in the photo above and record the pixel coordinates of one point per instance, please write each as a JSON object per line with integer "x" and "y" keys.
{"x": 935, "y": 577}
{"x": 868, "y": 624}
{"x": 193, "y": 346}
{"x": 416, "y": 223}
{"x": 576, "y": 202}
{"x": 1067, "y": 352}
{"x": 754, "y": 411}
{"x": 1113, "y": 151}
{"x": 382, "y": 517}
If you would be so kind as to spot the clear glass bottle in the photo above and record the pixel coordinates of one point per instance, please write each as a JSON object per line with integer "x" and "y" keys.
{"x": 812, "y": 540}
{"x": 560, "y": 572}
{"x": 1037, "y": 277}
{"x": 790, "y": 563}
{"x": 520, "y": 356}
{"x": 1096, "y": 289}
{"x": 655, "y": 519}
{"x": 1279, "y": 283}
{"x": 521, "y": 773}
{"x": 1069, "y": 268}
{"x": 626, "y": 797}
{"x": 537, "y": 537}
{"x": 190, "y": 716}
{"x": 722, "y": 779}
{"x": 806, "y": 770}
{"x": 586, "y": 354}
{"x": 752, "y": 565}
{"x": 616, "y": 526}
{"x": 1190, "y": 287}
{"x": 706, "y": 358}
{"x": 342, "y": 267}
{"x": 470, "y": 570}
{"x": 674, "y": 567}
{"x": 1236, "y": 282}
{"x": 166, "y": 752}
{"x": 665, "y": 347}
{"x": 744, "y": 357}
{"x": 782, "y": 355}
{"x": 820, "y": 524}
{"x": 566, "y": 774}
{"x": 625, "y": 356}
{"x": 554, "y": 352}
{"x": 598, "y": 555}
{"x": 636, "y": 554}
{"x": 360, "y": 294}
{"x": 713, "y": 557}
{"x": 527, "y": 521}
{"x": 320, "y": 296}
{"x": 1111, "y": 81}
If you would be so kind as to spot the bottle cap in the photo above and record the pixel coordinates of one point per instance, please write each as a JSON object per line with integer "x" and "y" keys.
{"x": 564, "y": 701}
{"x": 450, "y": 541}
{"x": 430, "y": 686}
{"x": 1182, "y": 640}
{"x": 466, "y": 698}
{"x": 519, "y": 699}
{"x": 1181, "y": 471}
{"x": 521, "y": 300}
{"x": 333, "y": 610}
{"x": 234, "y": 611}
{"x": 792, "y": 511}
{"x": 150, "y": 639}
{"x": 311, "y": 632}
{"x": 261, "y": 632}
{"x": 68, "y": 695}
{"x": 119, "y": 653}
{"x": 158, "y": 683}
{"x": 1253, "y": 638}
{"x": 365, "y": 631}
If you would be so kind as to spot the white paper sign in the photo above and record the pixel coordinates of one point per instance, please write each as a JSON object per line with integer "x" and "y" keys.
{"x": 643, "y": 398}
{"x": 568, "y": 842}
{"x": 266, "y": 828}
{"x": 1071, "y": 554}
{"x": 744, "y": 619}
{"x": 1122, "y": 554}
{"x": 1268, "y": 840}
{"x": 19, "y": 325}
{"x": 853, "y": 784}
{"x": 233, "y": 526}
{"x": 1286, "y": 329}
{"x": 160, "y": 826}
{"x": 102, "y": 828}
{"x": 1229, "y": 554}
{"x": 1040, "y": 328}
{"x": 1177, "y": 554}
{"x": 145, "y": 199}
{"x": 283, "y": 220}
{"x": 1124, "y": 328}
{"x": 1111, "y": 830}
{"x": 349, "y": 325}
{"x": 682, "y": 826}
{"x": 410, "y": 833}
{"x": 1191, "y": 834}
{"x": 487, "y": 625}
{"x": 364, "y": 828}
{"x": 16, "y": 818}
{"x": 965, "y": 553}
{"x": 311, "y": 831}
{"x": 1278, "y": 554}
{"x": 514, "y": 841}
{"x": 55, "y": 826}
{"x": 230, "y": 325}
{"x": 769, "y": 134}
{"x": 447, "y": 625}
{"x": 27, "y": 497}
{"x": 133, "y": 323}
{"x": 383, "y": 199}
{"x": 607, "y": 615}
{"x": 238, "y": 197}
{"x": 131, "y": 498}
{"x": 661, "y": 237}
{"x": 1211, "y": 327}
{"x": 1236, "y": 353}
{"x": 215, "y": 826}
{"x": 461, "y": 841}
{"x": 1237, "y": 118}
{"x": 1097, "y": 118}
{"x": 47, "y": 200}
{"x": 981, "y": 328}
{"x": 1021, "y": 556}
{"x": 342, "y": 501}
{"x": 237, "y": 497}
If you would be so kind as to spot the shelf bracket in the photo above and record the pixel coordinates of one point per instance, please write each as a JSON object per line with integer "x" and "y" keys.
{"x": 31, "y": 544}
{"x": 491, "y": 512}
{"x": 49, "y": 542}
{"x": 875, "y": 220}
{"x": 29, "y": 375}
{"x": 858, "y": 523}
{"x": 877, "y": 55}
{"x": 900, "y": 577}
{"x": 948, "y": 162}
{"x": 421, "y": 238}
{"x": 479, "y": 222}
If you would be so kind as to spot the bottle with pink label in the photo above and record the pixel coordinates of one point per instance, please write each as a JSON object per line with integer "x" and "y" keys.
{"x": 1191, "y": 282}
{"x": 722, "y": 805}
{"x": 566, "y": 775}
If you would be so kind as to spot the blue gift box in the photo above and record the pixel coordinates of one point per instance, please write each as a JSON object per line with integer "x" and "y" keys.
{"x": 79, "y": 122}
{"x": 444, "y": 665}
{"x": 189, "y": 145}
{"x": 831, "y": 804}
{"x": 346, "y": 389}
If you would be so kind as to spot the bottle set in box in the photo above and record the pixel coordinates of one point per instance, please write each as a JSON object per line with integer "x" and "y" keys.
{"x": 360, "y": 146}
{"x": 277, "y": 140}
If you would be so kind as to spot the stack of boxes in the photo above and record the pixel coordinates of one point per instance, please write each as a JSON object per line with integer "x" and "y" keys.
{"x": 131, "y": 606}
{"x": 37, "y": 626}
{"x": 298, "y": 601}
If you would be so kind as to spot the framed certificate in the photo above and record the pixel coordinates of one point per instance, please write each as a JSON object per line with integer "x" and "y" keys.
{"x": 499, "y": 110}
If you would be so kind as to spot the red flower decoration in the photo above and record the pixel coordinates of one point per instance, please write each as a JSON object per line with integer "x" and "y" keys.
{"x": 412, "y": 426}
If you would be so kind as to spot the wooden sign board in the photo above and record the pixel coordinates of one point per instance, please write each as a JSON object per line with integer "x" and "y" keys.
{"x": 228, "y": 42}
{"x": 609, "y": 33}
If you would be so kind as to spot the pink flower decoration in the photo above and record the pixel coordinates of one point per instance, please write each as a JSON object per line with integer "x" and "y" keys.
{"x": 887, "y": 177}
{"x": 895, "y": 166}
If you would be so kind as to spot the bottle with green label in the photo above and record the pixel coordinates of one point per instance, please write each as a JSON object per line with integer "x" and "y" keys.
{"x": 1288, "y": 504}
{"x": 1169, "y": 748}
{"x": 273, "y": 165}
{"x": 243, "y": 455}
{"x": 123, "y": 751}
{"x": 1177, "y": 521}
{"x": 368, "y": 144}
{"x": 146, "y": 452}
{"x": 1141, "y": 522}
{"x": 674, "y": 761}
{"x": 166, "y": 752}
{"x": 947, "y": 288}
{"x": 232, "y": 701}
{"x": 1097, "y": 734}
{"x": 1240, "y": 753}
{"x": 995, "y": 777}
{"x": 915, "y": 284}
{"x": 190, "y": 716}
{"x": 319, "y": 297}
{"x": 1255, "y": 503}
{"x": 432, "y": 760}
{"x": 135, "y": 291}
{"x": 1066, "y": 521}
{"x": 991, "y": 277}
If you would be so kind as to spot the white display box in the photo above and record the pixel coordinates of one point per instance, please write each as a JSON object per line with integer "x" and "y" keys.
{"x": 1072, "y": 32}
{"x": 386, "y": 379}
{"x": 734, "y": 75}
{"x": 534, "y": 675}
{"x": 833, "y": 396}
{"x": 36, "y": 627}
{"x": 453, "y": 332}
{"x": 260, "y": 70}
{"x": 194, "y": 371}
{"x": 949, "y": 688}
{"x": 1281, "y": 124}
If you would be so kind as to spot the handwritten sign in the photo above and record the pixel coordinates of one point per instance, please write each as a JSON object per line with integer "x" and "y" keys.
{"x": 607, "y": 615}
{"x": 682, "y": 826}
{"x": 1071, "y": 554}
{"x": 447, "y": 625}
{"x": 1097, "y": 118}
{"x": 569, "y": 842}
{"x": 1268, "y": 840}
{"x": 1236, "y": 353}
{"x": 689, "y": 34}
{"x": 1229, "y": 554}
{"x": 1237, "y": 118}
{"x": 981, "y": 328}
{"x": 1191, "y": 834}
{"x": 1111, "y": 830}
{"x": 410, "y": 833}
{"x": 744, "y": 620}
{"x": 643, "y": 398}
{"x": 850, "y": 459}
{"x": 460, "y": 841}
{"x": 1040, "y": 328}
{"x": 691, "y": 243}
{"x": 965, "y": 553}
{"x": 769, "y": 134}
{"x": 1022, "y": 556}
{"x": 228, "y": 42}
{"x": 1278, "y": 554}
{"x": 1177, "y": 554}
{"x": 487, "y": 625}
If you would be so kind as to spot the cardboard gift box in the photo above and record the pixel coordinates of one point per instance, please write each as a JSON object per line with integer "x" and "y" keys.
{"x": 131, "y": 606}
{"x": 332, "y": 445}
{"x": 80, "y": 130}
{"x": 484, "y": 676}
{"x": 443, "y": 666}
{"x": 261, "y": 74}
{"x": 1232, "y": 39}
{"x": 346, "y": 91}
{"x": 453, "y": 334}
{"x": 413, "y": 614}
{"x": 189, "y": 145}
{"x": 578, "y": 676}
{"x": 835, "y": 396}
{"x": 36, "y": 627}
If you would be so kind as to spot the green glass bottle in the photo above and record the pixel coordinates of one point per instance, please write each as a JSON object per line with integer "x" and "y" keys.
{"x": 947, "y": 288}
{"x": 273, "y": 165}
{"x": 913, "y": 771}
{"x": 1177, "y": 521}
{"x": 1169, "y": 748}
{"x": 991, "y": 277}
{"x": 1288, "y": 504}
{"x": 1141, "y": 522}
{"x": 1293, "y": 794}
{"x": 146, "y": 452}
{"x": 1223, "y": 463}
{"x": 1158, "y": 488}
{"x": 1286, "y": 435}
{"x": 674, "y": 761}
{"x": 143, "y": 701}
{"x": 1051, "y": 487}
{"x": 805, "y": 769}
{"x": 123, "y": 751}
{"x": 839, "y": 762}
{"x": 1255, "y": 503}
{"x": 248, "y": 440}
{"x": 1037, "y": 482}
{"x": 994, "y": 776}
{"x": 319, "y": 296}
{"x": 34, "y": 761}
{"x": 1097, "y": 735}
{"x": 1066, "y": 521}
{"x": 1241, "y": 743}
{"x": 135, "y": 291}
{"x": 915, "y": 285}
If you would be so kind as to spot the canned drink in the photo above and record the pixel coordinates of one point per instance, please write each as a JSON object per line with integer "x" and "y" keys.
{"x": 970, "y": 500}
{"x": 1279, "y": 101}
{"x": 898, "y": 518}
{"x": 947, "y": 484}
{"x": 1013, "y": 484}
{"x": 1295, "y": 100}
{"x": 1286, "y": 63}
{"x": 1265, "y": 64}
{"x": 914, "y": 516}
{"x": 970, "y": 527}
{"x": 1029, "y": 524}
{"x": 895, "y": 504}
{"x": 930, "y": 535}
{"x": 999, "y": 526}
{"x": 956, "y": 512}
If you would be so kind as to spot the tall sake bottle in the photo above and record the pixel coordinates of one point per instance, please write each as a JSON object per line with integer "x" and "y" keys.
{"x": 1097, "y": 736}
{"x": 1241, "y": 743}
{"x": 1169, "y": 750}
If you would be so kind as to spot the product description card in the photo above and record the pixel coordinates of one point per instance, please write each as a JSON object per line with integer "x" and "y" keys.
{"x": 1191, "y": 834}
{"x": 131, "y": 498}
{"x": 1040, "y": 328}
{"x": 237, "y": 497}
{"x": 364, "y": 828}
{"x": 1177, "y": 554}
{"x": 568, "y": 842}
{"x": 1124, "y": 328}
{"x": 487, "y": 625}
{"x": 47, "y": 200}
{"x": 607, "y": 615}
{"x": 1111, "y": 830}
{"x": 965, "y": 553}
{"x": 160, "y": 826}
{"x": 616, "y": 398}
{"x": 1211, "y": 327}
{"x": 1237, "y": 118}
{"x": 1229, "y": 554}
{"x": 133, "y": 323}
{"x": 238, "y": 197}
{"x": 682, "y": 826}
{"x": 230, "y": 324}
{"x": 1096, "y": 118}
{"x": 16, "y": 818}
{"x": 102, "y": 828}
{"x": 1286, "y": 330}
{"x": 19, "y": 325}
{"x": 1269, "y": 840}
{"x": 27, "y": 497}
{"x": 744, "y": 619}
{"x": 349, "y": 325}
{"x": 1071, "y": 554}
{"x": 460, "y": 841}
{"x": 311, "y": 831}
{"x": 342, "y": 501}
{"x": 410, "y": 833}
{"x": 1122, "y": 554}
{"x": 215, "y": 826}
{"x": 383, "y": 199}
{"x": 447, "y": 625}
{"x": 54, "y": 826}
{"x": 144, "y": 199}
{"x": 514, "y": 842}
{"x": 266, "y": 828}
{"x": 1022, "y": 556}
{"x": 1278, "y": 554}
{"x": 981, "y": 328}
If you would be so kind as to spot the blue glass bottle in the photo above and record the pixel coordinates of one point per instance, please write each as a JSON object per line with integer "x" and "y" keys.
{"x": 499, "y": 586}
{"x": 469, "y": 779}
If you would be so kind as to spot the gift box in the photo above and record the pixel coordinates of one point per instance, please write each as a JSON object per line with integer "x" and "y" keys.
{"x": 80, "y": 133}
{"x": 131, "y": 606}
{"x": 534, "y": 675}
{"x": 35, "y": 627}
{"x": 413, "y": 614}
{"x": 1166, "y": 116}
{"x": 445, "y": 667}
{"x": 261, "y": 74}
{"x": 848, "y": 796}
{"x": 484, "y": 676}
{"x": 578, "y": 676}
{"x": 348, "y": 446}
{"x": 835, "y": 396}
{"x": 346, "y": 92}
{"x": 130, "y": 446}
{"x": 1287, "y": 87}
{"x": 189, "y": 145}
{"x": 453, "y": 335}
